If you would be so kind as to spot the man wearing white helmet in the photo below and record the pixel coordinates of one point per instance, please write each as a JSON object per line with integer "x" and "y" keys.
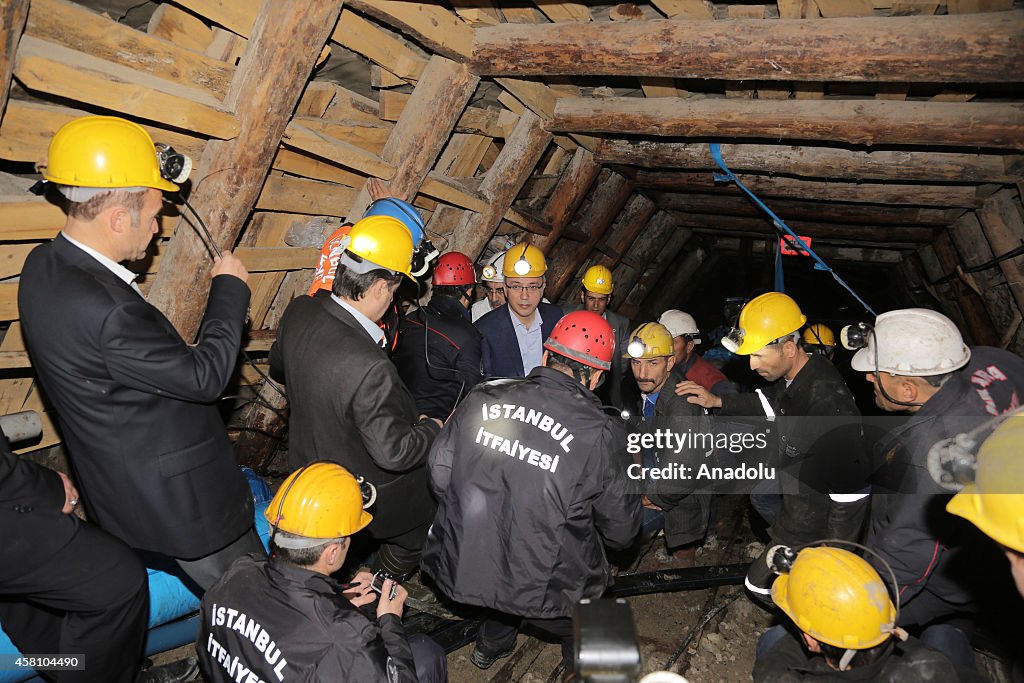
{"x": 918, "y": 363}
{"x": 685, "y": 338}
{"x": 493, "y": 282}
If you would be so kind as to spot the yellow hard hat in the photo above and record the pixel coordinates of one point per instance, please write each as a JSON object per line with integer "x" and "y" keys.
{"x": 763, "y": 320}
{"x": 650, "y": 340}
{"x": 524, "y": 260}
{"x": 104, "y": 151}
{"x": 319, "y": 501}
{"x": 836, "y": 597}
{"x": 598, "y": 279}
{"x": 379, "y": 242}
{"x": 819, "y": 334}
{"x": 995, "y": 501}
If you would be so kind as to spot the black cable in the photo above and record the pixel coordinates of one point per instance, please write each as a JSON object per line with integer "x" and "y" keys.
{"x": 426, "y": 358}
{"x": 257, "y": 401}
{"x": 1013, "y": 253}
{"x": 265, "y": 376}
{"x": 697, "y": 629}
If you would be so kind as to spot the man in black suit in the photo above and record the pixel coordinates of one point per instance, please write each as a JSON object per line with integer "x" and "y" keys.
{"x": 65, "y": 586}
{"x": 135, "y": 401}
{"x": 347, "y": 402}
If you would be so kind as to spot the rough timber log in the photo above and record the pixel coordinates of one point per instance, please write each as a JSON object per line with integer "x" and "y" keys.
{"x": 568, "y": 194}
{"x": 668, "y": 250}
{"x": 1003, "y": 225}
{"x": 964, "y": 196}
{"x": 266, "y": 87}
{"x": 631, "y": 223}
{"x": 977, "y": 48}
{"x": 827, "y": 252}
{"x": 13, "y": 14}
{"x": 875, "y": 233}
{"x": 979, "y": 324}
{"x": 974, "y": 250}
{"x": 640, "y": 254}
{"x": 819, "y": 162}
{"x": 858, "y": 122}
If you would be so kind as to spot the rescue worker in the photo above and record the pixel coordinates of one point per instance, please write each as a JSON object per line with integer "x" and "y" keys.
{"x": 438, "y": 356}
{"x": 995, "y": 501}
{"x": 595, "y": 295}
{"x": 286, "y": 619}
{"x": 492, "y": 281}
{"x": 343, "y": 390}
{"x": 820, "y": 339}
{"x": 917, "y": 362}
{"x": 685, "y": 338}
{"x": 843, "y": 627}
{"x": 826, "y": 454}
{"x": 530, "y": 478}
{"x": 650, "y": 353}
{"x": 514, "y": 334}
{"x": 65, "y": 586}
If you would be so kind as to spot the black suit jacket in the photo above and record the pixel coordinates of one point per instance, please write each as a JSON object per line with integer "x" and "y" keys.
{"x": 349, "y": 406}
{"x": 135, "y": 402}
{"x": 32, "y": 526}
{"x": 501, "y": 354}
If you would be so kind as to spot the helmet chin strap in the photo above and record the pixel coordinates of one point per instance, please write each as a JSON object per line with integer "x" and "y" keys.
{"x": 881, "y": 388}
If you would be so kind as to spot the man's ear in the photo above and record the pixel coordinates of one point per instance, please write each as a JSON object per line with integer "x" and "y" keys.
{"x": 595, "y": 379}
{"x": 118, "y": 219}
{"x": 671, "y": 361}
{"x": 908, "y": 390}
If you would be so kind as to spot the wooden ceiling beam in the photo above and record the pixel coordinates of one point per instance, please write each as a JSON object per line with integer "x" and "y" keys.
{"x": 858, "y": 122}
{"x": 962, "y": 196}
{"x": 573, "y": 185}
{"x": 819, "y": 162}
{"x": 977, "y": 48}
{"x": 12, "y": 21}
{"x": 652, "y": 239}
{"x": 900, "y": 233}
{"x": 825, "y": 212}
{"x": 863, "y": 255}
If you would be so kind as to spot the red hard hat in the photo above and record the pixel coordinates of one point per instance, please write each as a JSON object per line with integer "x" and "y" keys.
{"x": 583, "y": 336}
{"x": 454, "y": 268}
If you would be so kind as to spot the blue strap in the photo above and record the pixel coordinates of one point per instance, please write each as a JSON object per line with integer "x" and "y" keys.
{"x": 727, "y": 176}
{"x": 780, "y": 278}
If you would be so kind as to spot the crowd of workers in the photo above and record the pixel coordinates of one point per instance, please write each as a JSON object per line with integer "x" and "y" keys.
{"x": 481, "y": 444}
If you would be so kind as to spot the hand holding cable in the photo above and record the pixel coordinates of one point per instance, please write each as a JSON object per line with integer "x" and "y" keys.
{"x": 229, "y": 264}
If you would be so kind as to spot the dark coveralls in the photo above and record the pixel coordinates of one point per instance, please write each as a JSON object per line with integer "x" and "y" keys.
{"x": 286, "y": 623}
{"x": 530, "y": 476}
{"x": 66, "y": 588}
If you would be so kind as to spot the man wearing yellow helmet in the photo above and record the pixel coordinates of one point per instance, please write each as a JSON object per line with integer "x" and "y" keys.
{"x": 286, "y": 619}
{"x": 514, "y": 334}
{"x": 134, "y": 400}
{"x": 347, "y": 401}
{"x": 820, "y": 339}
{"x": 846, "y": 622}
{"x": 595, "y": 295}
{"x": 826, "y": 455}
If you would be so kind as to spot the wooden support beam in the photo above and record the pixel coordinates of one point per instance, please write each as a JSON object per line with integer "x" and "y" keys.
{"x": 73, "y": 26}
{"x": 648, "y": 244}
{"x": 980, "y": 329}
{"x": 424, "y": 127}
{"x": 666, "y": 294}
{"x": 237, "y": 16}
{"x": 859, "y": 122}
{"x": 876, "y": 233}
{"x": 502, "y": 183}
{"x": 54, "y": 69}
{"x": 827, "y": 252}
{"x": 943, "y": 291}
{"x": 179, "y": 27}
{"x": 964, "y": 196}
{"x": 565, "y": 258}
{"x": 568, "y": 194}
{"x": 979, "y": 48}
{"x": 1001, "y": 220}
{"x": 492, "y": 122}
{"x": 441, "y": 31}
{"x": 631, "y": 223}
{"x": 759, "y": 235}
{"x": 807, "y": 210}
{"x": 655, "y": 268}
{"x": 819, "y": 162}
{"x": 268, "y": 82}
{"x": 299, "y": 195}
{"x": 369, "y": 40}
{"x": 12, "y": 21}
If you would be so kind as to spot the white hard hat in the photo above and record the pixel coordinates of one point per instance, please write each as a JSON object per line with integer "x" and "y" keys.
{"x": 913, "y": 342}
{"x": 679, "y": 323}
{"x": 492, "y": 271}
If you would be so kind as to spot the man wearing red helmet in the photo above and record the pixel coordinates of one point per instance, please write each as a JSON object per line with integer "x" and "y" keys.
{"x": 530, "y": 477}
{"x": 439, "y": 350}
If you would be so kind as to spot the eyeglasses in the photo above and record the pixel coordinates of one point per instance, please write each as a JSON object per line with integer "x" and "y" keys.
{"x": 529, "y": 289}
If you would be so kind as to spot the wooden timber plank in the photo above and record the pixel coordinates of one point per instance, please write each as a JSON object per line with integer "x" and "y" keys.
{"x": 972, "y": 6}
{"x": 237, "y": 16}
{"x": 268, "y": 83}
{"x": 13, "y": 14}
{"x": 501, "y": 184}
{"x": 366, "y": 38}
{"x": 12, "y": 256}
{"x": 27, "y": 217}
{"x": 179, "y": 27}
{"x": 669, "y": 287}
{"x": 435, "y": 27}
{"x": 640, "y": 255}
{"x": 660, "y": 261}
{"x": 69, "y": 24}
{"x": 494, "y": 122}
{"x": 309, "y": 166}
{"x": 812, "y": 228}
{"x": 980, "y": 329}
{"x": 319, "y": 143}
{"x": 566, "y": 197}
{"x": 56, "y": 70}
{"x": 819, "y": 162}
{"x": 564, "y": 11}
{"x": 878, "y": 122}
{"x": 1003, "y": 225}
{"x": 365, "y": 135}
{"x": 831, "y": 9}
{"x": 965, "y": 196}
{"x": 635, "y": 217}
{"x": 960, "y": 49}
{"x": 298, "y": 195}
{"x": 685, "y": 9}
{"x": 827, "y": 252}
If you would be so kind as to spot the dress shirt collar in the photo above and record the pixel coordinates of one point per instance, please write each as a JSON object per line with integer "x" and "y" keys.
{"x": 111, "y": 265}
{"x": 372, "y": 328}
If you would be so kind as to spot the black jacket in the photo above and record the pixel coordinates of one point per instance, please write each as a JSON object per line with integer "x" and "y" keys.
{"x": 442, "y": 332}
{"x": 827, "y": 455}
{"x": 288, "y": 623}
{"x": 136, "y": 403}
{"x": 501, "y": 354}
{"x": 789, "y": 662}
{"x": 521, "y": 523}
{"x": 349, "y": 406}
{"x": 928, "y": 549}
